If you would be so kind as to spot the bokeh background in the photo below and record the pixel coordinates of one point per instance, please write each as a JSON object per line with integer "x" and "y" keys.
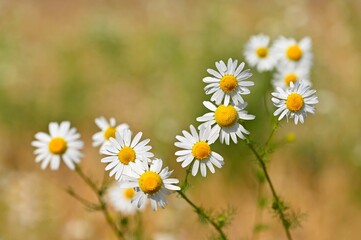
{"x": 142, "y": 62}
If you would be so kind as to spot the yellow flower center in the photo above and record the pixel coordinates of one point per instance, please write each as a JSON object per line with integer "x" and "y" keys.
{"x": 294, "y": 53}
{"x": 110, "y": 132}
{"x": 201, "y": 150}
{"x": 228, "y": 83}
{"x": 262, "y": 52}
{"x": 126, "y": 155}
{"x": 290, "y": 78}
{"x": 294, "y": 102}
{"x": 57, "y": 145}
{"x": 129, "y": 193}
{"x": 150, "y": 182}
{"x": 226, "y": 116}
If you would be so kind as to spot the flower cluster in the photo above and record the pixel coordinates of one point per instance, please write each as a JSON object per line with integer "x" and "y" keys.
{"x": 128, "y": 158}
{"x": 292, "y": 62}
{"x": 226, "y": 85}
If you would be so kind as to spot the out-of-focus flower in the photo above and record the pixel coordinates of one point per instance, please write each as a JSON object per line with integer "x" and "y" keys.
{"x": 122, "y": 150}
{"x": 294, "y": 102}
{"x": 77, "y": 229}
{"x": 108, "y": 130}
{"x": 63, "y": 143}
{"x": 228, "y": 83}
{"x": 226, "y": 120}
{"x": 287, "y": 74}
{"x": 290, "y": 52}
{"x": 197, "y": 147}
{"x": 258, "y": 54}
{"x": 120, "y": 199}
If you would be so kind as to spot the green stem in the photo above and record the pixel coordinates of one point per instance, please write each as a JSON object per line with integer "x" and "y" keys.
{"x": 271, "y": 135}
{"x": 86, "y": 203}
{"x": 203, "y": 214}
{"x": 102, "y": 205}
{"x": 259, "y": 212}
{"x": 281, "y": 214}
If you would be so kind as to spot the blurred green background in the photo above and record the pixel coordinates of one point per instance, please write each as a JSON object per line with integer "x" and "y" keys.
{"x": 142, "y": 62}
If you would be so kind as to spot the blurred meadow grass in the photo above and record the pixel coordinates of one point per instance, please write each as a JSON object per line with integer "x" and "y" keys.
{"x": 143, "y": 63}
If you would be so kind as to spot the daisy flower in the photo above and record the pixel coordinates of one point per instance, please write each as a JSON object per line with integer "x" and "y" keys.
{"x": 228, "y": 83}
{"x": 108, "y": 129}
{"x": 258, "y": 54}
{"x": 198, "y": 148}
{"x": 153, "y": 183}
{"x": 63, "y": 143}
{"x": 291, "y": 52}
{"x": 122, "y": 150}
{"x": 294, "y": 102}
{"x": 287, "y": 74}
{"x": 120, "y": 199}
{"x": 226, "y": 120}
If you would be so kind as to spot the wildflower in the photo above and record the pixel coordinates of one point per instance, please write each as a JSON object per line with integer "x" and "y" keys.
{"x": 108, "y": 130}
{"x": 228, "y": 83}
{"x": 122, "y": 150}
{"x": 258, "y": 54}
{"x": 120, "y": 199}
{"x": 197, "y": 147}
{"x": 63, "y": 143}
{"x": 287, "y": 74}
{"x": 152, "y": 181}
{"x": 291, "y": 52}
{"x": 226, "y": 120}
{"x": 294, "y": 102}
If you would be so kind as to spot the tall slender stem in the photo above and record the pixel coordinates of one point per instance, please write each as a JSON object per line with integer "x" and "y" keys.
{"x": 201, "y": 212}
{"x": 274, "y": 193}
{"x": 258, "y": 217}
{"x": 271, "y": 135}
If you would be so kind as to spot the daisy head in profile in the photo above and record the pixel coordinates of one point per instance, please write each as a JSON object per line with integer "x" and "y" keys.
{"x": 284, "y": 75}
{"x": 107, "y": 130}
{"x": 257, "y": 53}
{"x": 225, "y": 120}
{"x": 198, "y": 150}
{"x": 295, "y": 102}
{"x": 123, "y": 150}
{"x": 228, "y": 83}
{"x": 152, "y": 181}
{"x": 61, "y": 144}
{"x": 290, "y": 52}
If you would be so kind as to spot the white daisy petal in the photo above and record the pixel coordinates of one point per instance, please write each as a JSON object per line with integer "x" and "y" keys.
{"x": 203, "y": 169}
{"x": 136, "y": 139}
{"x": 195, "y": 168}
